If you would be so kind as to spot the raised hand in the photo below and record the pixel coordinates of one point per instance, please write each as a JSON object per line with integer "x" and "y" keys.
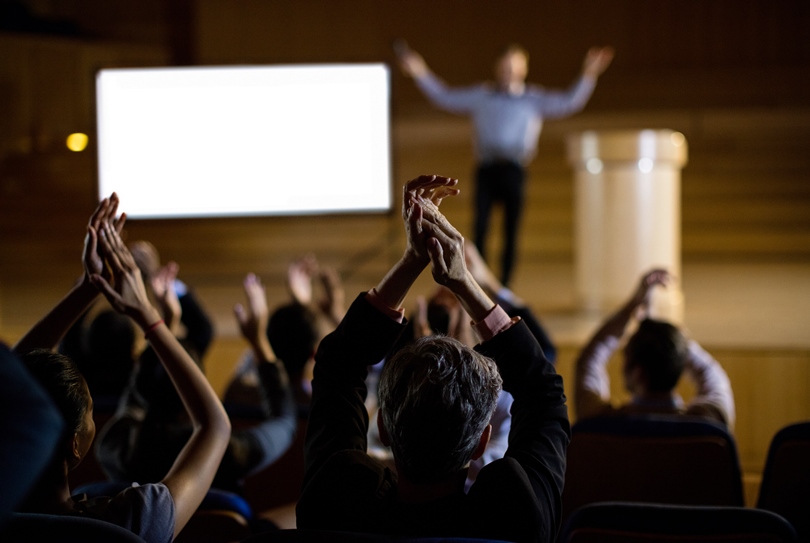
{"x": 253, "y": 318}
{"x": 597, "y": 60}
{"x": 411, "y": 62}
{"x": 300, "y": 274}
{"x": 104, "y": 214}
{"x": 641, "y": 297}
{"x": 127, "y": 294}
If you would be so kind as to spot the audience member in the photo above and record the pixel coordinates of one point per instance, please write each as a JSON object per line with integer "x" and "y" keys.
{"x": 150, "y": 429}
{"x": 655, "y": 357}
{"x": 436, "y": 400}
{"x": 443, "y": 314}
{"x": 31, "y": 427}
{"x": 155, "y": 512}
{"x": 294, "y": 330}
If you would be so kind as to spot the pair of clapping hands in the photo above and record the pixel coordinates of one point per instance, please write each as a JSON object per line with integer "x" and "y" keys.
{"x": 430, "y": 236}
{"x": 110, "y": 267}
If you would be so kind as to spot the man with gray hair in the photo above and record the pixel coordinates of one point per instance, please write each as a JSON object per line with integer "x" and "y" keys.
{"x": 436, "y": 399}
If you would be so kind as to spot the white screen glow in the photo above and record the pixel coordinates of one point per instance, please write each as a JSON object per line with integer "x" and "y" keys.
{"x": 226, "y": 141}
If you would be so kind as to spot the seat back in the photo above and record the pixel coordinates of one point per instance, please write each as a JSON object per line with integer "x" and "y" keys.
{"x": 27, "y": 527}
{"x": 610, "y": 522}
{"x": 658, "y": 459}
{"x": 214, "y": 526}
{"x": 327, "y": 536}
{"x": 785, "y": 485}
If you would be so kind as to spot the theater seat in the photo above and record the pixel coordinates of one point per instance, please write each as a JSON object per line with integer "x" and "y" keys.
{"x": 610, "y": 522}
{"x": 324, "y": 536}
{"x": 654, "y": 459}
{"x": 28, "y": 527}
{"x": 785, "y": 485}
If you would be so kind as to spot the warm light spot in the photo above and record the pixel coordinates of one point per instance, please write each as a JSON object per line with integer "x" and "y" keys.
{"x": 594, "y": 166}
{"x": 677, "y": 139}
{"x": 645, "y": 165}
{"x": 77, "y": 142}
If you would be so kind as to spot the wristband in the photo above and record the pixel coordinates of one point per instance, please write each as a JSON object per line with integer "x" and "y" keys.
{"x": 152, "y": 328}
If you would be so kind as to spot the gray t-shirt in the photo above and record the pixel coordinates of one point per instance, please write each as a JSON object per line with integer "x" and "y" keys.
{"x": 145, "y": 510}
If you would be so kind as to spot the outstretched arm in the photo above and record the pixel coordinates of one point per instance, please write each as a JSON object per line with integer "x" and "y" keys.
{"x": 592, "y": 386}
{"x": 193, "y": 471}
{"x": 454, "y": 100}
{"x": 555, "y": 104}
{"x": 597, "y": 61}
{"x": 49, "y": 330}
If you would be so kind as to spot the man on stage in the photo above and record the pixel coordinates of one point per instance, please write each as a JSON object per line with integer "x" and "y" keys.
{"x": 508, "y": 116}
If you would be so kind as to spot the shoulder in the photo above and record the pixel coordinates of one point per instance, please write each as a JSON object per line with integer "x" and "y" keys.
{"x": 146, "y": 510}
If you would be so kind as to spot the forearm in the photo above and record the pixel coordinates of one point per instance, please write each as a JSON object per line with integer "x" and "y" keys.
{"x": 453, "y": 100}
{"x": 49, "y": 330}
{"x": 393, "y": 288}
{"x": 712, "y": 383}
{"x": 592, "y": 383}
{"x": 472, "y": 298}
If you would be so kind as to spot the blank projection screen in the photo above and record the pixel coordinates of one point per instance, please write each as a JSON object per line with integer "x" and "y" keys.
{"x": 228, "y": 141}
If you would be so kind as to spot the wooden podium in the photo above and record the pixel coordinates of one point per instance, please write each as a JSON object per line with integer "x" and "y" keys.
{"x": 627, "y": 207}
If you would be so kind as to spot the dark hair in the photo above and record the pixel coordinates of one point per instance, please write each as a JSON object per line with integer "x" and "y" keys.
{"x": 293, "y": 334}
{"x": 60, "y": 376}
{"x": 437, "y": 397}
{"x": 109, "y": 360}
{"x": 660, "y": 349}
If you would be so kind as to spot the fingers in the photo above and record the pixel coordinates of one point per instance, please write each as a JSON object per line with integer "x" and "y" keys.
{"x": 428, "y": 182}
{"x": 436, "y": 254}
{"x": 256, "y": 295}
{"x": 99, "y": 212}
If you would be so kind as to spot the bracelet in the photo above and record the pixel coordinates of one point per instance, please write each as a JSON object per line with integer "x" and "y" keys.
{"x": 152, "y": 328}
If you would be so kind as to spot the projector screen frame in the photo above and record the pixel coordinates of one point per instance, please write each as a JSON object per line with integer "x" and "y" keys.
{"x": 383, "y": 205}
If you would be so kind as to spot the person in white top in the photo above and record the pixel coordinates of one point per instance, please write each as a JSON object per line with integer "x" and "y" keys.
{"x": 655, "y": 357}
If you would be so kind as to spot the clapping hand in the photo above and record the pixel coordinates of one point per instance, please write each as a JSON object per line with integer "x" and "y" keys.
{"x": 104, "y": 214}
{"x": 422, "y": 196}
{"x": 597, "y": 60}
{"x": 127, "y": 292}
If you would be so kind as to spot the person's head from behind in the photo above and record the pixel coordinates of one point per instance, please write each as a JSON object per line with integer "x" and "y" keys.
{"x": 146, "y": 258}
{"x": 61, "y": 378}
{"x": 436, "y": 400}
{"x": 512, "y": 66}
{"x": 293, "y": 332}
{"x": 654, "y": 358}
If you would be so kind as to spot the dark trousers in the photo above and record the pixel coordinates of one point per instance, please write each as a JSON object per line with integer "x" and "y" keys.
{"x": 499, "y": 182}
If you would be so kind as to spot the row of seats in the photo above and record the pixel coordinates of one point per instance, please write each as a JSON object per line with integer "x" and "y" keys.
{"x": 664, "y": 460}
{"x": 640, "y": 478}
